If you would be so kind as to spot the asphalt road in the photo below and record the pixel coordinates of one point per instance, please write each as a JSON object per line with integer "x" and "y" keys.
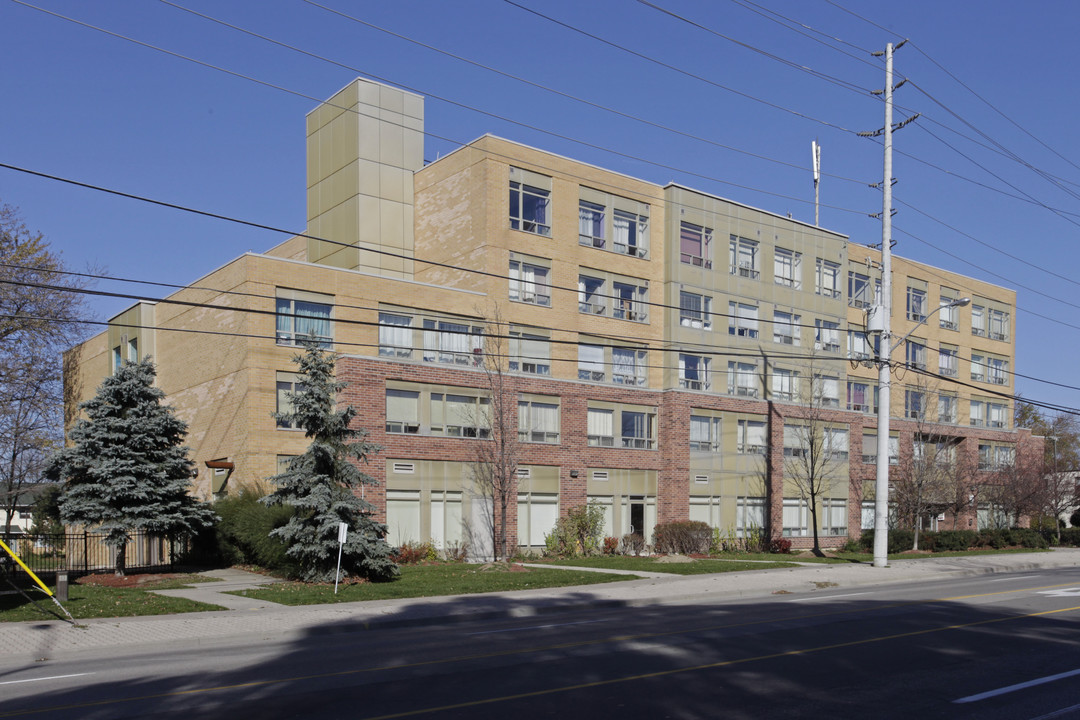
{"x": 1004, "y": 646}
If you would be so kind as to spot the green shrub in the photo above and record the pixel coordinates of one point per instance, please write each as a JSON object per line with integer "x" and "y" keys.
{"x": 682, "y": 538}
{"x": 1069, "y": 537}
{"x": 576, "y": 533}
{"x": 243, "y": 533}
{"x": 955, "y": 540}
{"x": 1026, "y": 538}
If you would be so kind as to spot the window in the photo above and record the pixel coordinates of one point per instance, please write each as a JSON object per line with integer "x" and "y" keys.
{"x": 785, "y": 385}
{"x": 978, "y": 320}
{"x": 287, "y": 385}
{"x": 1004, "y": 456}
{"x": 529, "y": 353}
{"x": 402, "y": 411}
{"x": 834, "y": 516}
{"x": 460, "y": 414}
{"x": 914, "y": 404}
{"x": 538, "y": 420}
{"x": 827, "y": 279}
{"x": 986, "y": 457}
{"x": 591, "y": 222}
{"x": 787, "y": 268}
{"x": 948, "y": 365}
{"x": 836, "y": 444}
{"x": 299, "y": 319}
{"x": 742, "y": 320}
{"x": 537, "y": 515}
{"x": 861, "y": 294}
{"x": 133, "y": 350}
{"x": 947, "y": 406}
{"x": 694, "y": 310}
{"x": 601, "y": 428}
{"x": 916, "y": 354}
{"x": 614, "y": 223}
{"x": 826, "y": 391}
{"x": 870, "y": 449}
{"x": 750, "y": 437}
{"x": 999, "y": 324}
{"x": 638, "y": 429}
{"x": 530, "y": 197}
{"x": 693, "y": 372}
{"x": 786, "y": 328}
{"x": 916, "y": 304}
{"x": 629, "y": 301}
{"x": 591, "y": 298}
{"x": 978, "y": 413}
{"x": 861, "y": 345}
{"x": 744, "y": 257}
{"x": 695, "y": 245}
{"x": 794, "y": 517}
{"x": 529, "y": 282}
{"x": 978, "y": 367}
{"x": 705, "y": 435}
{"x": 117, "y": 358}
{"x": 796, "y": 441}
{"x": 631, "y": 233}
{"x": 591, "y": 363}
{"x": 636, "y": 426}
{"x": 628, "y": 366}
{"x": 861, "y": 396}
{"x": 997, "y": 415}
{"x": 452, "y": 342}
{"x": 997, "y": 370}
{"x": 826, "y": 335}
{"x": 948, "y": 316}
{"x": 395, "y": 335}
{"x": 402, "y": 516}
{"x": 742, "y": 379}
{"x": 749, "y": 515}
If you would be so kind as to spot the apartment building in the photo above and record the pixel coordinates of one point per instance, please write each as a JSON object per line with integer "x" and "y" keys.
{"x": 665, "y": 346}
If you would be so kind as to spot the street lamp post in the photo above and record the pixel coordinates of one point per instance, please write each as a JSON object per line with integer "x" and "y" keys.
{"x": 879, "y": 318}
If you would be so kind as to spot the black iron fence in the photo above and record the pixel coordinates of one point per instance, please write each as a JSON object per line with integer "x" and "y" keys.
{"x": 86, "y": 553}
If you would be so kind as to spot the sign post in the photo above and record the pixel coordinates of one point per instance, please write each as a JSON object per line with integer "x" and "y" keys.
{"x": 342, "y": 535}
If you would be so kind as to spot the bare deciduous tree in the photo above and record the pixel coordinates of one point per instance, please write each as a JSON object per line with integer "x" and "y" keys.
{"x": 496, "y": 456}
{"x": 37, "y": 308}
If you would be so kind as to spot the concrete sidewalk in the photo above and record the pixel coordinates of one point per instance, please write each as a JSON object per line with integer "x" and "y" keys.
{"x": 251, "y": 620}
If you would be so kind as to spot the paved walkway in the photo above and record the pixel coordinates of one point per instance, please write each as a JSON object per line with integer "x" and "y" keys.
{"x": 250, "y": 620}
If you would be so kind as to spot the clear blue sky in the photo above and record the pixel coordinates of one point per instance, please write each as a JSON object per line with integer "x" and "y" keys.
{"x": 975, "y": 176}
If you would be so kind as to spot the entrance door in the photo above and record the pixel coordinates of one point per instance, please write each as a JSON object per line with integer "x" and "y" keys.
{"x": 637, "y": 515}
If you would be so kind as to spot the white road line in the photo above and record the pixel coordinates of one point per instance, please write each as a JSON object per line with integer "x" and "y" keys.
{"x": 536, "y": 627}
{"x": 1018, "y": 686}
{"x": 828, "y": 597}
{"x": 1017, "y": 577}
{"x": 54, "y": 677}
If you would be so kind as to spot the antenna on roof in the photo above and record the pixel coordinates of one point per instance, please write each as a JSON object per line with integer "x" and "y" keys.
{"x": 815, "y": 149}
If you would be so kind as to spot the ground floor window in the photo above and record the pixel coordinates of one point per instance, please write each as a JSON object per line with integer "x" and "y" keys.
{"x": 537, "y": 514}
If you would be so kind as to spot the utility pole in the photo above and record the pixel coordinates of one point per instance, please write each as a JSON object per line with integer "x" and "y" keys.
{"x": 880, "y": 320}
{"x": 815, "y": 149}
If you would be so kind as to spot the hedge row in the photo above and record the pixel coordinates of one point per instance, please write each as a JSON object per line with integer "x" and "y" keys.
{"x": 958, "y": 540}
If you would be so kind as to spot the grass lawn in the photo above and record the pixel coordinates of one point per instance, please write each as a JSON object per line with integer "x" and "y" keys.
{"x": 92, "y": 601}
{"x": 697, "y": 567}
{"x": 430, "y": 580}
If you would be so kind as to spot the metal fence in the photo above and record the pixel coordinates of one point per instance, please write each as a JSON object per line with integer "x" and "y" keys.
{"x": 86, "y": 553}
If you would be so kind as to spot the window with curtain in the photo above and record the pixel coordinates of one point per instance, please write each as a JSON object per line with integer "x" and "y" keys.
{"x": 694, "y": 242}
{"x": 591, "y": 363}
{"x": 705, "y": 433}
{"x": 287, "y": 385}
{"x": 836, "y": 443}
{"x": 402, "y": 411}
{"x": 529, "y": 283}
{"x": 529, "y": 205}
{"x": 637, "y": 429}
{"x": 694, "y": 310}
{"x": 795, "y": 514}
{"x": 693, "y": 372}
{"x": 452, "y": 342}
{"x": 785, "y": 384}
{"x": 786, "y": 267}
{"x": 537, "y": 515}
{"x": 591, "y": 297}
{"x": 601, "y": 427}
{"x": 628, "y": 366}
{"x": 298, "y": 320}
{"x": 455, "y": 415}
{"x": 744, "y": 257}
{"x": 827, "y": 391}
{"x": 742, "y": 379}
{"x": 750, "y": 438}
{"x": 828, "y": 278}
{"x": 749, "y": 515}
{"x": 529, "y": 353}
{"x": 827, "y": 335}
{"x": 631, "y": 233}
{"x": 395, "y": 335}
{"x": 591, "y": 223}
{"x": 538, "y": 421}
{"x": 742, "y": 320}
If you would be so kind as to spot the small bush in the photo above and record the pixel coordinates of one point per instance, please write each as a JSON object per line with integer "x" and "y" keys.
{"x": 456, "y": 551}
{"x": 577, "y": 533}
{"x": 780, "y": 546}
{"x": 243, "y": 534}
{"x": 414, "y": 553}
{"x": 955, "y": 540}
{"x": 1069, "y": 537}
{"x": 682, "y": 538}
{"x": 611, "y": 545}
{"x": 633, "y": 544}
{"x": 1026, "y": 538}
{"x": 852, "y": 546}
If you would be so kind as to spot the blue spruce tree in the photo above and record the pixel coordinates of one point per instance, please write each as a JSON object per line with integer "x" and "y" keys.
{"x": 319, "y": 484}
{"x": 127, "y": 468}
